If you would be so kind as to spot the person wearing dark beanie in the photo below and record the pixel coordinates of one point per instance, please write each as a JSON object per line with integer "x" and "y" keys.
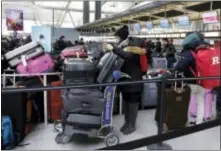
{"x": 131, "y": 93}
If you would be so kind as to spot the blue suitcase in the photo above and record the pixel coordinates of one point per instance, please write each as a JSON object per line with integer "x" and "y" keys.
{"x": 8, "y": 138}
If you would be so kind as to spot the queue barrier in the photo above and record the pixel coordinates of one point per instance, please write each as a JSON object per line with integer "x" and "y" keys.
{"x": 144, "y": 141}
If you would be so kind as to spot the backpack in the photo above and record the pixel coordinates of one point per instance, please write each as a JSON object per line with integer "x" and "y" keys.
{"x": 143, "y": 59}
{"x": 143, "y": 63}
{"x": 8, "y": 138}
{"x": 207, "y": 64}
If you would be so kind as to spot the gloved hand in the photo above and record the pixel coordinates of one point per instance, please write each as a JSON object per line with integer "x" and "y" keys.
{"x": 107, "y": 47}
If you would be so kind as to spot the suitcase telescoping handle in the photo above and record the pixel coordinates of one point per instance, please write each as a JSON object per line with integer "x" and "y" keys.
{"x": 182, "y": 83}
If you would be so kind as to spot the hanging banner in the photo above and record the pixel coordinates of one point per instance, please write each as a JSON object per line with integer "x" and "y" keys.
{"x": 210, "y": 17}
{"x": 14, "y": 19}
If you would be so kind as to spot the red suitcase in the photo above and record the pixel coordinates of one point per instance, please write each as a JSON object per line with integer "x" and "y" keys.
{"x": 55, "y": 102}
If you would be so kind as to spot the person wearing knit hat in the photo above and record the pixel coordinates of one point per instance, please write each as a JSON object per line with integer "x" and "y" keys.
{"x": 131, "y": 93}
{"x": 192, "y": 42}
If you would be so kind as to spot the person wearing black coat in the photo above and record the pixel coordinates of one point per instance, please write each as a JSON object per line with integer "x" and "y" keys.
{"x": 131, "y": 93}
{"x": 169, "y": 52}
{"x": 158, "y": 47}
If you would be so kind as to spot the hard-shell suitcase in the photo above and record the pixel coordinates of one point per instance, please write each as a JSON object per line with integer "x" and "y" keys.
{"x": 29, "y": 50}
{"x": 28, "y": 55}
{"x": 41, "y": 64}
{"x": 74, "y": 52}
{"x": 79, "y": 71}
{"x": 149, "y": 96}
{"x": 55, "y": 102}
{"x": 7, "y": 133}
{"x": 107, "y": 64}
{"x": 159, "y": 63}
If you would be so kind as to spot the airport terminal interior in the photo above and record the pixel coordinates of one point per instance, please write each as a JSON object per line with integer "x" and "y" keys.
{"x": 110, "y": 74}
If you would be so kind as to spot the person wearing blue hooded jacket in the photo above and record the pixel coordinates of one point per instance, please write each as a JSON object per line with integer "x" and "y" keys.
{"x": 191, "y": 42}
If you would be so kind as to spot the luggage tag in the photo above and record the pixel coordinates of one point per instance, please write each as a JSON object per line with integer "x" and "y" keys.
{"x": 24, "y": 61}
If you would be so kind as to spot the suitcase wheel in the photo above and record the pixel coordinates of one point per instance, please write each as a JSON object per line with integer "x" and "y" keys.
{"x": 112, "y": 139}
{"x": 62, "y": 138}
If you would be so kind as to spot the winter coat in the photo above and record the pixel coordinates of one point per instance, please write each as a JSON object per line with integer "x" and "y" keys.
{"x": 131, "y": 66}
{"x": 170, "y": 52}
{"x": 158, "y": 47}
{"x": 187, "y": 61}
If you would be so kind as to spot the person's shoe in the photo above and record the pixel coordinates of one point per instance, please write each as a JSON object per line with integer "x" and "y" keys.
{"x": 133, "y": 109}
{"x": 128, "y": 130}
{"x": 192, "y": 120}
{"x": 206, "y": 119}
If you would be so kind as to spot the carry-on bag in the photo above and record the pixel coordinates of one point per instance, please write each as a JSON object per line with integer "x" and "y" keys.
{"x": 7, "y": 133}
{"x": 74, "y": 52}
{"x": 159, "y": 63}
{"x": 150, "y": 92}
{"x": 41, "y": 64}
{"x": 107, "y": 64}
{"x": 28, "y": 51}
{"x": 176, "y": 107}
{"x": 79, "y": 71}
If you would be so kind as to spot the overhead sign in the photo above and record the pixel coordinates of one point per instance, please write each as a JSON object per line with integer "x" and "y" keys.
{"x": 210, "y": 17}
{"x": 14, "y": 19}
{"x": 149, "y": 25}
{"x": 183, "y": 20}
{"x": 164, "y": 23}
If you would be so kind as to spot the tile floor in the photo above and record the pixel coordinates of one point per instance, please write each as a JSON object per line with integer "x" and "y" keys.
{"x": 43, "y": 138}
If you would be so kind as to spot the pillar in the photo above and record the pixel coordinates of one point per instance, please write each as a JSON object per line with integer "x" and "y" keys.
{"x": 97, "y": 10}
{"x": 86, "y": 12}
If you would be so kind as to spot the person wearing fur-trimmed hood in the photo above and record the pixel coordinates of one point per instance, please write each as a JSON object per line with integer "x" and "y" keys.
{"x": 131, "y": 93}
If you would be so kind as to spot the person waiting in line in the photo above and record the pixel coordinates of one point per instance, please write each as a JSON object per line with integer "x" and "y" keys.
{"x": 192, "y": 42}
{"x": 131, "y": 93}
{"x": 81, "y": 42}
{"x": 158, "y": 47}
{"x": 76, "y": 43}
{"x": 61, "y": 43}
{"x": 169, "y": 52}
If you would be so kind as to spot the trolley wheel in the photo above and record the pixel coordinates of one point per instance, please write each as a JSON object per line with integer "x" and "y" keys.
{"x": 112, "y": 139}
{"x": 62, "y": 139}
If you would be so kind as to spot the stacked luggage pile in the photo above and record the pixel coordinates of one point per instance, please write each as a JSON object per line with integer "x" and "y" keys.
{"x": 30, "y": 59}
{"x": 88, "y": 111}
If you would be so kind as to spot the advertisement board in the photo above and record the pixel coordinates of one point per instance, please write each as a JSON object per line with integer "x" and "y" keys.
{"x": 149, "y": 25}
{"x": 210, "y": 17}
{"x": 14, "y": 19}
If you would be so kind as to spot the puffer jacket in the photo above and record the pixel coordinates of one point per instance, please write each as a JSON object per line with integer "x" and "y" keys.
{"x": 131, "y": 66}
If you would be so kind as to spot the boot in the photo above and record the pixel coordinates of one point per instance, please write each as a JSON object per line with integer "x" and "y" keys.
{"x": 126, "y": 117}
{"x": 133, "y": 109}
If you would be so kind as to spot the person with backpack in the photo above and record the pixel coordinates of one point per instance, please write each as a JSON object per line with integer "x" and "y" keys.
{"x": 194, "y": 61}
{"x": 132, "y": 67}
{"x": 169, "y": 52}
